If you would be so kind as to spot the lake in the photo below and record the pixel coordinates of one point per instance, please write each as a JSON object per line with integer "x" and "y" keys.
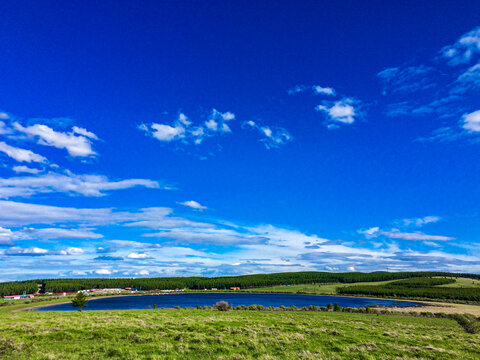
{"x": 209, "y": 299}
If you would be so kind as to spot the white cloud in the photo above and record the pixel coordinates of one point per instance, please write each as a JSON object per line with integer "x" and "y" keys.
{"x": 143, "y": 272}
{"x": 72, "y": 251}
{"x": 87, "y": 185}
{"x": 84, "y": 132}
{"x": 419, "y": 222}
{"x": 25, "y": 169}
{"x": 323, "y": 90}
{"x": 134, "y": 255}
{"x": 103, "y": 272}
{"x": 470, "y": 78}
{"x": 317, "y": 89}
{"x": 181, "y": 129}
{"x": 342, "y": 111}
{"x": 471, "y": 122}
{"x": 397, "y": 234}
{"x": 35, "y": 251}
{"x": 217, "y": 121}
{"x": 76, "y": 146}
{"x": 211, "y": 125}
{"x": 406, "y": 79}
{"x": 464, "y": 49}
{"x": 351, "y": 268}
{"x": 184, "y": 119}
{"x": 167, "y": 133}
{"x": 4, "y": 115}
{"x": 193, "y": 204}
{"x": 55, "y": 233}
{"x": 272, "y": 136}
{"x": 21, "y": 155}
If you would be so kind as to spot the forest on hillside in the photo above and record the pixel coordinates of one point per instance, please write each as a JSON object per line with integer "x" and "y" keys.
{"x": 223, "y": 282}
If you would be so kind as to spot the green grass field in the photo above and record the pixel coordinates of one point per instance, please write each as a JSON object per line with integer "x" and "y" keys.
{"x": 211, "y": 334}
{"x": 317, "y": 289}
{"x": 463, "y": 283}
{"x": 331, "y": 289}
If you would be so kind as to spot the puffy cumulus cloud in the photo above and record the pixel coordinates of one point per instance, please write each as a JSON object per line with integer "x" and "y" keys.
{"x": 217, "y": 121}
{"x": 323, "y": 90}
{"x": 351, "y": 268}
{"x": 86, "y": 185}
{"x": 76, "y": 145}
{"x": 185, "y": 131}
{"x": 167, "y": 133}
{"x": 471, "y": 121}
{"x": 464, "y": 49}
{"x": 25, "y": 169}
{"x": 21, "y": 155}
{"x": 193, "y": 204}
{"x": 272, "y": 136}
{"x": 143, "y": 272}
{"x": 342, "y": 111}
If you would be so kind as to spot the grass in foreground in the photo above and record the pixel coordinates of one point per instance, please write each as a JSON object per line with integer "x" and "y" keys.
{"x": 210, "y": 334}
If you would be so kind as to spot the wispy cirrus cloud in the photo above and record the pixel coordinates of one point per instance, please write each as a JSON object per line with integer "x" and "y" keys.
{"x": 272, "y": 136}
{"x": 36, "y": 251}
{"x": 407, "y": 79}
{"x": 69, "y": 183}
{"x": 316, "y": 89}
{"x": 464, "y": 49}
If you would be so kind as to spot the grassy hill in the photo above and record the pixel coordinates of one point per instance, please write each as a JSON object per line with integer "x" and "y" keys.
{"x": 210, "y": 334}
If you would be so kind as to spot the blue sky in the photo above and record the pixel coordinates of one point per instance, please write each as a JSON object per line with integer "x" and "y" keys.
{"x": 220, "y": 138}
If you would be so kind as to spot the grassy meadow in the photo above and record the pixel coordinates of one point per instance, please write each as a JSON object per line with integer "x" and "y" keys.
{"x": 211, "y": 334}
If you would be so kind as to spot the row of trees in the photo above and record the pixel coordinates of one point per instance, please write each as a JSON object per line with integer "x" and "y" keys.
{"x": 422, "y": 282}
{"x": 224, "y": 282}
{"x": 18, "y": 288}
{"x": 397, "y": 290}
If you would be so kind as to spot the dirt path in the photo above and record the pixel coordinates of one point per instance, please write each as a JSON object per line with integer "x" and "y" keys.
{"x": 439, "y": 307}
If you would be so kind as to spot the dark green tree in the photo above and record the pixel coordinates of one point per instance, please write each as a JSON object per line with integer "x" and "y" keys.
{"x": 80, "y": 301}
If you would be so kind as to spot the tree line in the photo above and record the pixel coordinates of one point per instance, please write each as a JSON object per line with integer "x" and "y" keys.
{"x": 421, "y": 288}
{"x": 222, "y": 282}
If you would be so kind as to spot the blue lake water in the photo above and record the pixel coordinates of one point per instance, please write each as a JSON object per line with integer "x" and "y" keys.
{"x": 209, "y": 299}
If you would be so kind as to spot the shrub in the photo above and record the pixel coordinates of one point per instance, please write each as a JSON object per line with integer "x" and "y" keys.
{"x": 221, "y": 306}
